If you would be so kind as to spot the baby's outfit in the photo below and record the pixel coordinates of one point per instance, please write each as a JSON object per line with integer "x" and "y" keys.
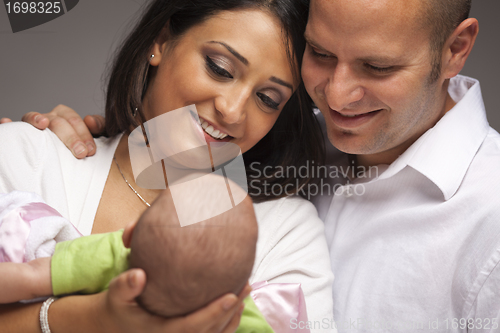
{"x": 31, "y": 229}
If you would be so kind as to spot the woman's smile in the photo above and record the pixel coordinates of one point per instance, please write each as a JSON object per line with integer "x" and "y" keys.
{"x": 210, "y": 132}
{"x": 214, "y": 132}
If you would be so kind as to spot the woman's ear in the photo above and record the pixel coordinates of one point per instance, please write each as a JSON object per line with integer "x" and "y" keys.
{"x": 127, "y": 233}
{"x": 459, "y": 46}
{"x": 159, "y": 47}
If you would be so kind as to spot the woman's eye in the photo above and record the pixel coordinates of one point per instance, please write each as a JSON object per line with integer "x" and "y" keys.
{"x": 216, "y": 69}
{"x": 268, "y": 101}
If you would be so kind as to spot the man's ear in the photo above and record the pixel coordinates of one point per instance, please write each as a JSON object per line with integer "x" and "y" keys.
{"x": 459, "y": 46}
{"x": 160, "y": 46}
{"x": 127, "y": 233}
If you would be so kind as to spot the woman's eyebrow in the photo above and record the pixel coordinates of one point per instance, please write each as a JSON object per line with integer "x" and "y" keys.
{"x": 280, "y": 81}
{"x": 245, "y": 61}
{"x": 233, "y": 51}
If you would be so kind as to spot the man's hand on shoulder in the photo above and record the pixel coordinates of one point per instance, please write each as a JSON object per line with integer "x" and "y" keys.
{"x": 75, "y": 132}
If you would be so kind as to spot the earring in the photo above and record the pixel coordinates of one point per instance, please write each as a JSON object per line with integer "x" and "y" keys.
{"x": 151, "y": 58}
{"x": 134, "y": 113}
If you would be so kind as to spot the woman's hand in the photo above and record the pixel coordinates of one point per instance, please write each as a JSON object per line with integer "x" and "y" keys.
{"x": 120, "y": 312}
{"x": 74, "y": 132}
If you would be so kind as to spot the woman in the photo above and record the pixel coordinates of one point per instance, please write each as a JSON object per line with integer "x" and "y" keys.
{"x": 183, "y": 53}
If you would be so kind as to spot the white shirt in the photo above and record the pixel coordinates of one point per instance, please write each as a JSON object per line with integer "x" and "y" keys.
{"x": 291, "y": 247}
{"x": 417, "y": 247}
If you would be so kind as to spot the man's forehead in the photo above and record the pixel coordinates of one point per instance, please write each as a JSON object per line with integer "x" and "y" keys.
{"x": 355, "y": 15}
{"x": 372, "y": 6}
{"x": 362, "y": 27}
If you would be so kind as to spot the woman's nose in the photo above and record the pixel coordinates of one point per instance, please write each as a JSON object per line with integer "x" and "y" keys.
{"x": 232, "y": 105}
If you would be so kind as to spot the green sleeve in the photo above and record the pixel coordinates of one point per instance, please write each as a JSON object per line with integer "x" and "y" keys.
{"x": 87, "y": 264}
{"x": 252, "y": 321}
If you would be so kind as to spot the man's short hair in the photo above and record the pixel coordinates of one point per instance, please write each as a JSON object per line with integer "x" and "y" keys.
{"x": 443, "y": 16}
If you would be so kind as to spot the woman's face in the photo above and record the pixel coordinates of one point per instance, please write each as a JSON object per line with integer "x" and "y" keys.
{"x": 233, "y": 67}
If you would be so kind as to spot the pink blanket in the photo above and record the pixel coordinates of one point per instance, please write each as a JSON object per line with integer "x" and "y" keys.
{"x": 29, "y": 228}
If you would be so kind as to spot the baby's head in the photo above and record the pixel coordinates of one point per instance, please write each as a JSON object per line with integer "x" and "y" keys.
{"x": 188, "y": 267}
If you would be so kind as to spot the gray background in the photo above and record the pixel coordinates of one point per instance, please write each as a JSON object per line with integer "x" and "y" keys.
{"x": 63, "y": 61}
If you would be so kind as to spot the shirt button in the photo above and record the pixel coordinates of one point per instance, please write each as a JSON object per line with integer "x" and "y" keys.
{"x": 348, "y": 191}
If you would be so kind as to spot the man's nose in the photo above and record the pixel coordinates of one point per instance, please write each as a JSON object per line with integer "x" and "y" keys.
{"x": 343, "y": 88}
{"x": 231, "y": 105}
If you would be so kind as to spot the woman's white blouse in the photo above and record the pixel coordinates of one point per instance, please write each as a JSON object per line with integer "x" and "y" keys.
{"x": 291, "y": 246}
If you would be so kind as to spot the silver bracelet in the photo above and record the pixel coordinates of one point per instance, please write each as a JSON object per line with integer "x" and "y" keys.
{"x": 44, "y": 314}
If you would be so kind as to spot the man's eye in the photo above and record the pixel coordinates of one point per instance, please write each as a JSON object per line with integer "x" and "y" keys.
{"x": 268, "y": 101}
{"x": 319, "y": 55}
{"x": 379, "y": 69}
{"x": 216, "y": 69}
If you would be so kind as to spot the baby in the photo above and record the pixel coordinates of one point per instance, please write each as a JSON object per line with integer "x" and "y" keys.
{"x": 186, "y": 267}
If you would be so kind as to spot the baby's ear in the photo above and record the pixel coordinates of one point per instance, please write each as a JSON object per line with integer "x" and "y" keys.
{"x": 127, "y": 234}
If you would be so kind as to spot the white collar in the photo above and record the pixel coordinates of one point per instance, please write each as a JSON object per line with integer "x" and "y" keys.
{"x": 444, "y": 153}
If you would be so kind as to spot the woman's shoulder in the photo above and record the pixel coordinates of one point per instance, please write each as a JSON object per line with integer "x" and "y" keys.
{"x": 22, "y": 135}
{"x": 20, "y": 132}
{"x": 105, "y": 143}
{"x": 287, "y": 218}
{"x": 22, "y": 144}
{"x": 29, "y": 161}
{"x": 285, "y": 207}
{"x": 20, "y": 138}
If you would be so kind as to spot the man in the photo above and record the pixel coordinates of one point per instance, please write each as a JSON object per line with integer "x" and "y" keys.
{"x": 418, "y": 247}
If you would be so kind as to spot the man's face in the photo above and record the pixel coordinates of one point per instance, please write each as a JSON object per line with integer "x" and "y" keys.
{"x": 367, "y": 66}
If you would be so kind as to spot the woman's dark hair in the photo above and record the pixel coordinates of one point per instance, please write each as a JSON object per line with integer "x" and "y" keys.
{"x": 294, "y": 141}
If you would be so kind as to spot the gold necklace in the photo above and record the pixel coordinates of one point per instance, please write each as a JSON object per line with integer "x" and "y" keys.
{"x": 125, "y": 179}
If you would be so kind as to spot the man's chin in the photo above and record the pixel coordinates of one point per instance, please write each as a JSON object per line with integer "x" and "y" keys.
{"x": 350, "y": 143}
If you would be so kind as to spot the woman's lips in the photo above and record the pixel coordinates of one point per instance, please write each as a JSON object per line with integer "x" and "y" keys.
{"x": 352, "y": 121}
{"x": 208, "y": 137}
